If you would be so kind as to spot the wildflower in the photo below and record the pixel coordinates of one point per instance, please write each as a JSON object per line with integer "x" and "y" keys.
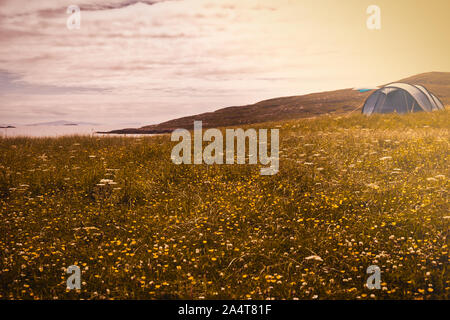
{"x": 315, "y": 258}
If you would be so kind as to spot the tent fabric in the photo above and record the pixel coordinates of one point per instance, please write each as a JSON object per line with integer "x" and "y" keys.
{"x": 401, "y": 98}
{"x": 432, "y": 97}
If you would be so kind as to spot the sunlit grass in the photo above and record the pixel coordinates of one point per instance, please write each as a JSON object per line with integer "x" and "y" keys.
{"x": 351, "y": 192}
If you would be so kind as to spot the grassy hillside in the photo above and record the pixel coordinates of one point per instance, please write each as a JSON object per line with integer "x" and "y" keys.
{"x": 351, "y": 192}
{"x": 332, "y": 102}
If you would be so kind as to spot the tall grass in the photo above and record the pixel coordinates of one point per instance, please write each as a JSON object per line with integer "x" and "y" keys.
{"x": 351, "y": 192}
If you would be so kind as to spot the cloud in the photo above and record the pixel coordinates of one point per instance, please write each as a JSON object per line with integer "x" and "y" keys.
{"x": 101, "y": 5}
{"x": 21, "y": 7}
{"x": 11, "y": 84}
{"x": 157, "y": 60}
{"x": 128, "y": 42}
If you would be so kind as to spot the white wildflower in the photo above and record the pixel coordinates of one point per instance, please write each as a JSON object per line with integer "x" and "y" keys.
{"x": 316, "y": 258}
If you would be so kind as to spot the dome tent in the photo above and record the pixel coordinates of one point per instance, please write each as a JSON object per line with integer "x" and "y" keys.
{"x": 401, "y": 98}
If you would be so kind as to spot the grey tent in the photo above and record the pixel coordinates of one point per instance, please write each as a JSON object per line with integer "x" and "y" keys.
{"x": 401, "y": 98}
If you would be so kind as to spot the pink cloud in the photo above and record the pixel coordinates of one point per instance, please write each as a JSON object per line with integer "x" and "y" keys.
{"x": 165, "y": 60}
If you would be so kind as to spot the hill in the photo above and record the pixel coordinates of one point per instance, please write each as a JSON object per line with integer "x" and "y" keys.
{"x": 331, "y": 102}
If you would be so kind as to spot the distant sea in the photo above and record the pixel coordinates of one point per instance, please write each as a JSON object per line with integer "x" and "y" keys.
{"x": 61, "y": 130}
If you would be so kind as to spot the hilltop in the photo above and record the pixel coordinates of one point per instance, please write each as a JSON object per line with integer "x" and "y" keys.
{"x": 342, "y": 101}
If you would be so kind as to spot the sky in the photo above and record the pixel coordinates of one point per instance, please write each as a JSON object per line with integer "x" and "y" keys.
{"x": 149, "y": 61}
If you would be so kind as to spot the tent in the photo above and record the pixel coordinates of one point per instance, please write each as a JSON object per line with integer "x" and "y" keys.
{"x": 401, "y": 98}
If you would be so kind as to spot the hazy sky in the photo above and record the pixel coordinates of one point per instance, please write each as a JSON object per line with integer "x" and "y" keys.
{"x": 151, "y": 61}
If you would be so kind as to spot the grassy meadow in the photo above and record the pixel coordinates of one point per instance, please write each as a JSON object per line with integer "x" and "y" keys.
{"x": 352, "y": 192}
